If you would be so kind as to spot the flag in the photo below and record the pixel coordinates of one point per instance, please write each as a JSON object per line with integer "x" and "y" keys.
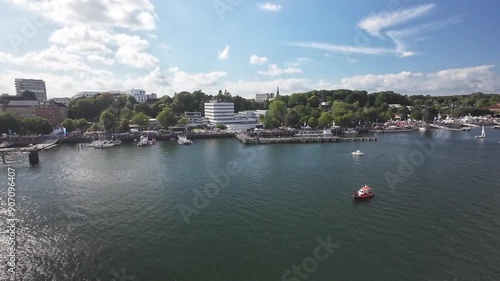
{"x": 64, "y": 131}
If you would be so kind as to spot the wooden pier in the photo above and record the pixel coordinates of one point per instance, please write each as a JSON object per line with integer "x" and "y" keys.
{"x": 247, "y": 139}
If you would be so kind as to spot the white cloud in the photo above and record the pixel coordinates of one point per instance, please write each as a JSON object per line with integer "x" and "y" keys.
{"x": 272, "y": 7}
{"x": 274, "y": 70}
{"x": 347, "y": 49}
{"x": 224, "y": 54}
{"x": 100, "y": 59}
{"x": 374, "y": 24}
{"x": 444, "y": 82}
{"x": 407, "y": 54}
{"x": 254, "y": 59}
{"x": 129, "y": 14}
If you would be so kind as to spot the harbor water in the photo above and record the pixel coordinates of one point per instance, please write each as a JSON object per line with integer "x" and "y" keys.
{"x": 221, "y": 210}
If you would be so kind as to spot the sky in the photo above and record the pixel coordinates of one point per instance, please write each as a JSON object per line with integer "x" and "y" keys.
{"x": 408, "y": 46}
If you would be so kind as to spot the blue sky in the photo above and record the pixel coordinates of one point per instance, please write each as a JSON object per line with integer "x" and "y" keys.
{"x": 247, "y": 47}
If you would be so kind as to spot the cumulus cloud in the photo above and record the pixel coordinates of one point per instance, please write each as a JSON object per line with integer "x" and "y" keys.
{"x": 444, "y": 82}
{"x": 254, "y": 59}
{"x": 166, "y": 82}
{"x": 268, "y": 6}
{"x": 274, "y": 70}
{"x": 224, "y": 54}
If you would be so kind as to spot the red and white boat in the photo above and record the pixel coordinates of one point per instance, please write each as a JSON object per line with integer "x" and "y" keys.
{"x": 363, "y": 193}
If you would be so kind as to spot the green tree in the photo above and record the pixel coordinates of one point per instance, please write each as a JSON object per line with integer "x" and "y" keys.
{"x": 183, "y": 121}
{"x": 124, "y": 125}
{"x": 325, "y": 120}
{"x": 36, "y": 125}
{"x": 81, "y": 124}
{"x": 141, "y": 119}
{"x": 9, "y": 121}
{"x": 292, "y": 118}
{"x": 166, "y": 118}
{"x": 108, "y": 120}
{"x": 278, "y": 111}
{"x": 312, "y": 122}
{"x": 126, "y": 114}
{"x": 69, "y": 124}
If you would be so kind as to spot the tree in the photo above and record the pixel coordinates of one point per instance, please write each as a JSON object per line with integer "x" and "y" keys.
{"x": 141, "y": 119}
{"x": 313, "y": 101}
{"x": 36, "y": 125}
{"x": 68, "y": 124}
{"x": 183, "y": 121}
{"x": 81, "y": 124}
{"x": 278, "y": 111}
{"x": 124, "y": 126}
{"x": 297, "y": 99}
{"x": 325, "y": 120}
{"x": 292, "y": 118}
{"x": 312, "y": 122}
{"x": 166, "y": 118}
{"x": 9, "y": 121}
{"x": 108, "y": 120}
{"x": 126, "y": 114}
{"x": 28, "y": 95}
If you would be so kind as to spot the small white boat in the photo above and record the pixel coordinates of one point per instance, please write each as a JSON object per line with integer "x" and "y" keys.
{"x": 104, "y": 144}
{"x": 184, "y": 140}
{"x": 143, "y": 141}
{"x": 357, "y": 152}
{"x": 422, "y": 129}
{"x": 482, "y": 135}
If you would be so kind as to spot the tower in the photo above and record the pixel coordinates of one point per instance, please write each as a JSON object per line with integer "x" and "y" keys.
{"x": 278, "y": 91}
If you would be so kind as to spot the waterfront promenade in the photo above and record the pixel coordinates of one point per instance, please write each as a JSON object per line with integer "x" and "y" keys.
{"x": 312, "y": 138}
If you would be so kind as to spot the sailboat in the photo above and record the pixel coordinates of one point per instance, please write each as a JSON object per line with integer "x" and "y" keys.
{"x": 482, "y": 135}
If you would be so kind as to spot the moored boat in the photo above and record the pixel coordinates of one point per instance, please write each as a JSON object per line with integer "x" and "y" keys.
{"x": 363, "y": 193}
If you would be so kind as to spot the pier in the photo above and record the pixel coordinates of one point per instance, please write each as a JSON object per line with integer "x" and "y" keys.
{"x": 31, "y": 151}
{"x": 252, "y": 139}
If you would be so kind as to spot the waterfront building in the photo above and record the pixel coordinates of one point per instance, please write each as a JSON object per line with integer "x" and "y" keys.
{"x": 219, "y": 112}
{"x": 88, "y": 94}
{"x": 36, "y": 86}
{"x": 53, "y": 111}
{"x": 139, "y": 95}
{"x": 21, "y": 108}
{"x": 64, "y": 101}
{"x": 194, "y": 117}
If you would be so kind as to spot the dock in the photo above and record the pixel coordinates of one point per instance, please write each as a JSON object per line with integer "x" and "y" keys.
{"x": 31, "y": 151}
{"x": 251, "y": 139}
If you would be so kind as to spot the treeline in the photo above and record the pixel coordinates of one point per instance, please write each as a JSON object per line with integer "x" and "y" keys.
{"x": 348, "y": 108}
{"x": 322, "y": 108}
{"x": 26, "y": 126}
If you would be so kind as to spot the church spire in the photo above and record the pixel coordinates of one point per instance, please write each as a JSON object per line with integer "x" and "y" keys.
{"x": 278, "y": 91}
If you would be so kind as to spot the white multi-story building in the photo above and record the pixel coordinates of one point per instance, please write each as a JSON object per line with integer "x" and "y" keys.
{"x": 36, "y": 86}
{"x": 194, "y": 117}
{"x": 85, "y": 95}
{"x": 64, "y": 101}
{"x": 219, "y": 112}
{"x": 139, "y": 95}
{"x": 264, "y": 97}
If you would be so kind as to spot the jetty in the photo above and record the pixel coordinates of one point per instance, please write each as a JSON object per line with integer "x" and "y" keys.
{"x": 249, "y": 138}
{"x": 31, "y": 151}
